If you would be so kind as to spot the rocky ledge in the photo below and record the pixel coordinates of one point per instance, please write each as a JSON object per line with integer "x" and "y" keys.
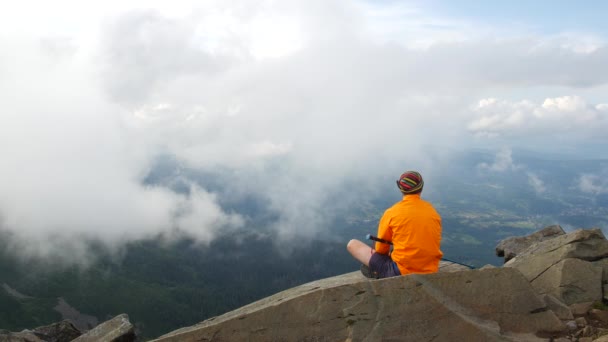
{"x": 117, "y": 329}
{"x": 550, "y": 289}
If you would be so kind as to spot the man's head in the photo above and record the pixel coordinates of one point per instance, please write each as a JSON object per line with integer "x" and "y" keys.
{"x": 410, "y": 182}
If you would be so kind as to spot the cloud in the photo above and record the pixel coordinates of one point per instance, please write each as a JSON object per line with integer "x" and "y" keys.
{"x": 593, "y": 184}
{"x": 566, "y": 117}
{"x": 291, "y": 102}
{"x": 537, "y": 184}
{"x": 503, "y": 161}
{"x": 72, "y": 169}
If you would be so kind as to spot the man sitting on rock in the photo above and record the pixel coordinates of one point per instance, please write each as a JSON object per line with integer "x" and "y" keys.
{"x": 414, "y": 228}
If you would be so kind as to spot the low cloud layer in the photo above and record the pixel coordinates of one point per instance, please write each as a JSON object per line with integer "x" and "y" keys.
{"x": 595, "y": 184}
{"x": 504, "y": 163}
{"x": 289, "y": 103}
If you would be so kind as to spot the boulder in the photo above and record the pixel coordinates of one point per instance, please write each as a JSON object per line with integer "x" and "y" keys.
{"x": 24, "y": 336}
{"x": 512, "y": 246}
{"x": 580, "y": 309}
{"x": 599, "y": 315}
{"x": 571, "y": 281}
{"x": 584, "y": 244}
{"x": 603, "y": 263}
{"x": 118, "y": 329}
{"x": 63, "y": 331}
{"x": 561, "y": 310}
{"x": 603, "y": 338}
{"x": 581, "y": 322}
{"x": 483, "y": 305}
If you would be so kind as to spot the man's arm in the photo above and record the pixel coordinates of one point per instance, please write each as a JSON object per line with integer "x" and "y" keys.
{"x": 385, "y": 233}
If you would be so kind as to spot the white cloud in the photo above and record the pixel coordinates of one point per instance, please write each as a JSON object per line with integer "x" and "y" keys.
{"x": 593, "y": 184}
{"x": 537, "y": 184}
{"x": 570, "y": 115}
{"x": 565, "y": 104}
{"x": 72, "y": 170}
{"x": 503, "y": 161}
{"x": 296, "y": 98}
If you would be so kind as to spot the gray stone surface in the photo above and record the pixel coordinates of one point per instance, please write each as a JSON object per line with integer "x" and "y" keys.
{"x": 63, "y": 331}
{"x": 580, "y": 309}
{"x": 483, "y": 305}
{"x": 603, "y": 263}
{"x": 446, "y": 266}
{"x": 117, "y": 329}
{"x": 572, "y": 326}
{"x": 599, "y": 315}
{"x": 24, "y": 336}
{"x": 584, "y": 244}
{"x": 581, "y": 322}
{"x": 510, "y": 247}
{"x": 571, "y": 281}
{"x": 561, "y": 310}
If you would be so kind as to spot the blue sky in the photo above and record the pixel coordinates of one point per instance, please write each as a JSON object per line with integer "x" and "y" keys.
{"x": 541, "y": 16}
{"x": 94, "y": 92}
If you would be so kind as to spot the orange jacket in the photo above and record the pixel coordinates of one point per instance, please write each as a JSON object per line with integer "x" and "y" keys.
{"x": 414, "y": 227}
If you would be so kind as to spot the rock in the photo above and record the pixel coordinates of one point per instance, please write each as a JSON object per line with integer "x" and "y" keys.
{"x": 483, "y": 305}
{"x": 117, "y": 329}
{"x": 581, "y": 322}
{"x": 589, "y": 331}
{"x": 591, "y": 243}
{"x": 599, "y": 315}
{"x": 561, "y": 339}
{"x": 561, "y": 310}
{"x": 571, "y": 281}
{"x": 24, "y": 336}
{"x": 603, "y": 263}
{"x": 571, "y": 325}
{"x": 581, "y": 244}
{"x": 485, "y": 267}
{"x": 63, "y": 331}
{"x": 601, "y": 339}
{"x": 580, "y": 309}
{"x": 512, "y": 246}
{"x": 448, "y": 266}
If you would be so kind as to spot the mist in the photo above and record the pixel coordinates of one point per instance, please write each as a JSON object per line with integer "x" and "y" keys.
{"x": 293, "y": 104}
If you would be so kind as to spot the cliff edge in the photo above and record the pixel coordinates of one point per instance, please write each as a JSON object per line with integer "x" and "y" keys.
{"x": 540, "y": 294}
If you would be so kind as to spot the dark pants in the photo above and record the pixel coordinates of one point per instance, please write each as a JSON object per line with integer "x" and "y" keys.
{"x": 382, "y": 266}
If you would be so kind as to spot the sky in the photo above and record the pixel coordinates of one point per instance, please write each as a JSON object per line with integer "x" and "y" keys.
{"x": 289, "y": 100}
